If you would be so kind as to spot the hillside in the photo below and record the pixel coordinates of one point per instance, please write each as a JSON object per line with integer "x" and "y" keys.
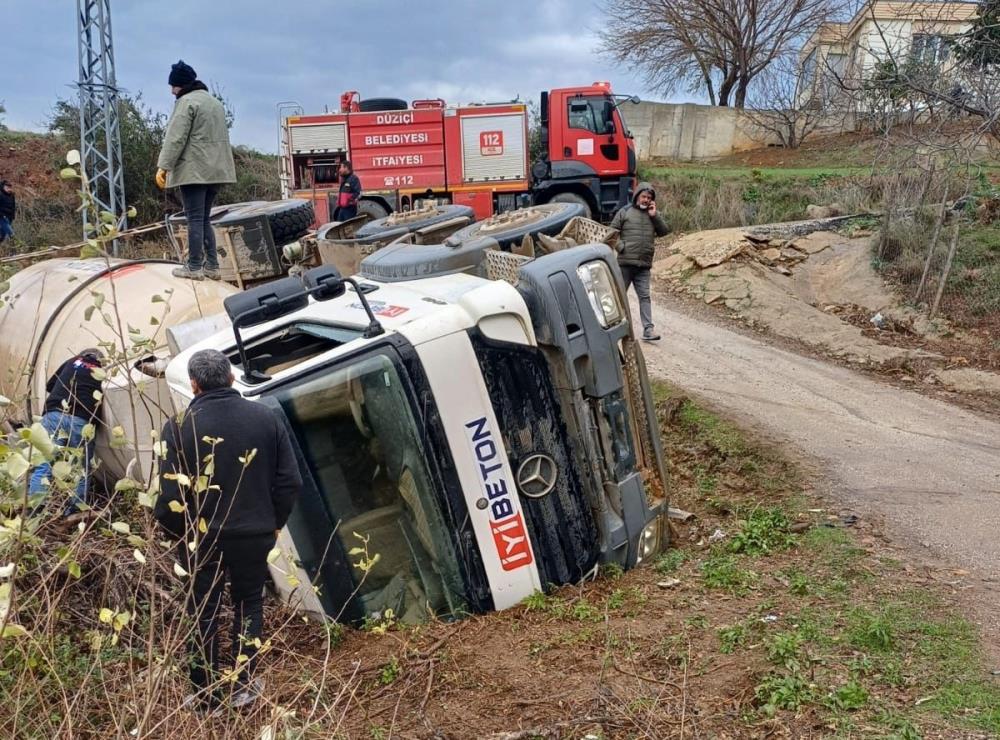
{"x": 47, "y": 205}
{"x": 859, "y": 174}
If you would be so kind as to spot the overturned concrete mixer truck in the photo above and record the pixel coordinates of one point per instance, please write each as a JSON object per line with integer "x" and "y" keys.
{"x": 481, "y": 421}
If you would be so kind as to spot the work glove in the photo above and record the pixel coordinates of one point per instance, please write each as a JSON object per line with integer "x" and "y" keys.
{"x": 161, "y": 179}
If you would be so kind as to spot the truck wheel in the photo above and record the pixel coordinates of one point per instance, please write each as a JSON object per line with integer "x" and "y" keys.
{"x": 218, "y": 212}
{"x": 372, "y": 105}
{"x": 509, "y": 228}
{"x": 288, "y": 219}
{"x": 415, "y": 220}
{"x": 373, "y": 209}
{"x": 572, "y": 198}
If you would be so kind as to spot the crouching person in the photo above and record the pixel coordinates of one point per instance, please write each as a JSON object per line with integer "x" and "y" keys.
{"x": 228, "y": 482}
{"x": 73, "y": 402}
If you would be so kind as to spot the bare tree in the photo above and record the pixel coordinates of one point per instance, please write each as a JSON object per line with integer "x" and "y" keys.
{"x": 778, "y": 107}
{"x": 719, "y": 46}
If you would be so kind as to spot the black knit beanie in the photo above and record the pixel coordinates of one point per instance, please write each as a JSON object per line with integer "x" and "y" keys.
{"x": 181, "y": 74}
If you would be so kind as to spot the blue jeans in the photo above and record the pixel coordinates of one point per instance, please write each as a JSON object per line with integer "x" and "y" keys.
{"x": 6, "y": 230}
{"x": 66, "y": 431}
{"x": 198, "y": 201}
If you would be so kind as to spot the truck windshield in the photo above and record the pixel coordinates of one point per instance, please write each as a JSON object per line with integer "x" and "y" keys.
{"x": 356, "y": 431}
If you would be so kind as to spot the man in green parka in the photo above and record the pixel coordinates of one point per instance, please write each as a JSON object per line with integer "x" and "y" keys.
{"x": 197, "y": 158}
{"x": 639, "y": 225}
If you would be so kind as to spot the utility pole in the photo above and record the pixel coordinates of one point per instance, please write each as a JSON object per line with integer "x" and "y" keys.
{"x": 100, "y": 137}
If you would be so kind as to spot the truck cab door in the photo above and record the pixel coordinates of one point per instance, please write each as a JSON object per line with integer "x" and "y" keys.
{"x": 592, "y": 134}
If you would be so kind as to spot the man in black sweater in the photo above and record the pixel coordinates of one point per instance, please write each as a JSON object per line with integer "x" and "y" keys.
{"x": 72, "y": 403}
{"x": 8, "y": 209}
{"x": 228, "y": 481}
{"x": 349, "y": 194}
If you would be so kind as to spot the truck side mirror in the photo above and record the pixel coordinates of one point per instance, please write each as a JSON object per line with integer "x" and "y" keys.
{"x": 260, "y": 304}
{"x": 266, "y": 302}
{"x": 634, "y": 100}
{"x": 324, "y": 283}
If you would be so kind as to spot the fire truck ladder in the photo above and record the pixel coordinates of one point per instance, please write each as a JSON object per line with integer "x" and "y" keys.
{"x": 284, "y": 109}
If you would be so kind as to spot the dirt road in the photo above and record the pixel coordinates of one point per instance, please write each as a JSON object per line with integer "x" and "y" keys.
{"x": 929, "y": 469}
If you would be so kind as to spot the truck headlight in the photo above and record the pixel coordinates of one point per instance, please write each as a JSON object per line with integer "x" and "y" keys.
{"x": 600, "y": 287}
{"x": 649, "y": 541}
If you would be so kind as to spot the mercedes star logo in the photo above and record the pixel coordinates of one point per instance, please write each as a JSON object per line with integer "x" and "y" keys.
{"x": 537, "y": 475}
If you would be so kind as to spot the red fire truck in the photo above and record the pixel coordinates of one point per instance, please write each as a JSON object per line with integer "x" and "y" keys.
{"x": 475, "y": 155}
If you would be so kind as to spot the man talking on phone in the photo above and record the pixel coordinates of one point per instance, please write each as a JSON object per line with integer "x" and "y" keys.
{"x": 639, "y": 224}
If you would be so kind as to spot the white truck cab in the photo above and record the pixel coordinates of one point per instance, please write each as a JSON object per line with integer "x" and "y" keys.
{"x": 464, "y": 441}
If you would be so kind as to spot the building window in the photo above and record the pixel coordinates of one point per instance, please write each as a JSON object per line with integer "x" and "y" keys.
{"x": 808, "y": 73}
{"x": 929, "y": 48}
{"x": 833, "y": 74}
{"x": 837, "y": 64}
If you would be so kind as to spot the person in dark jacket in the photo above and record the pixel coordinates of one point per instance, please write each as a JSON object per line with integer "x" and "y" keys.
{"x": 228, "y": 481}
{"x": 639, "y": 224}
{"x": 73, "y": 402}
{"x": 197, "y": 158}
{"x": 8, "y": 209}
{"x": 350, "y": 192}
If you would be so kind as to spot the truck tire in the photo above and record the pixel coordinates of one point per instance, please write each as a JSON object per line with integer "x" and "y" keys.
{"x": 511, "y": 227}
{"x": 398, "y": 220}
{"x": 218, "y": 212}
{"x": 572, "y": 198}
{"x": 373, "y": 209}
{"x": 372, "y": 105}
{"x": 288, "y": 219}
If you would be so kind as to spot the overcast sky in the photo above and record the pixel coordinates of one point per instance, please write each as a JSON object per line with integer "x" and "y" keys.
{"x": 260, "y": 52}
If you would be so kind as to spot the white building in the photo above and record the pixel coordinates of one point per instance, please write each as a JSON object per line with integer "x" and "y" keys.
{"x": 881, "y": 31}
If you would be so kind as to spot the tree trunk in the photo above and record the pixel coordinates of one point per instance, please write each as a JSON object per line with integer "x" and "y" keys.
{"x": 706, "y": 76}
{"x": 952, "y": 247}
{"x": 741, "y": 92}
{"x": 726, "y": 88}
{"x": 711, "y": 89}
{"x": 926, "y": 187}
{"x": 935, "y": 235}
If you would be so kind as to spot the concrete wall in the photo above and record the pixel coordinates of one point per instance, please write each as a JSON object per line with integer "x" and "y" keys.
{"x": 688, "y": 131}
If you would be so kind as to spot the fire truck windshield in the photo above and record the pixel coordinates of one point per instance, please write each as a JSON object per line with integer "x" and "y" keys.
{"x": 356, "y": 431}
{"x": 594, "y": 113}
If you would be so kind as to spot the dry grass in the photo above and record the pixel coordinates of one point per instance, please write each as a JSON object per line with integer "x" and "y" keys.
{"x": 766, "y": 631}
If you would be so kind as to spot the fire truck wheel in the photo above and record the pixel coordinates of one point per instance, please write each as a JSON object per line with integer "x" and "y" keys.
{"x": 402, "y": 219}
{"x": 573, "y": 198}
{"x": 373, "y": 209}
{"x": 371, "y": 105}
{"x": 288, "y": 219}
{"x": 509, "y": 228}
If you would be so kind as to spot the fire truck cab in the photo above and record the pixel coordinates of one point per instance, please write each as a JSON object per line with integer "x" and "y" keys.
{"x": 588, "y": 154}
{"x": 477, "y": 155}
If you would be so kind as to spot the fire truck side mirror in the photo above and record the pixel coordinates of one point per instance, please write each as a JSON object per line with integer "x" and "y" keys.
{"x": 324, "y": 283}
{"x": 634, "y": 100}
